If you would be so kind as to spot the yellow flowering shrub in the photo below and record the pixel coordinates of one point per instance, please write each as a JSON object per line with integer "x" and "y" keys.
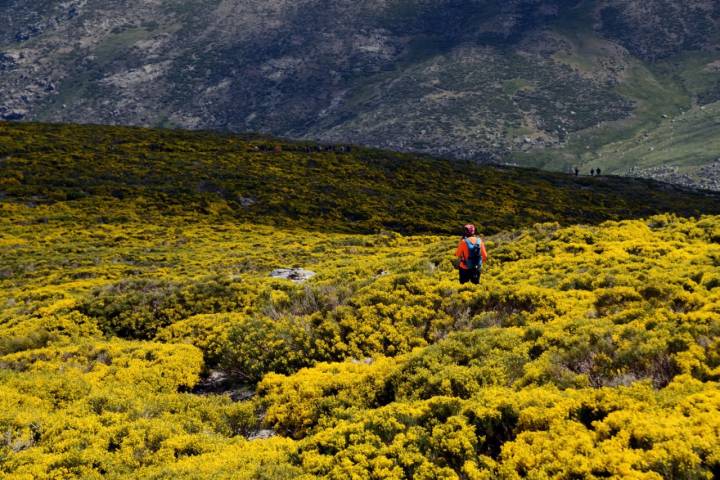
{"x": 142, "y": 334}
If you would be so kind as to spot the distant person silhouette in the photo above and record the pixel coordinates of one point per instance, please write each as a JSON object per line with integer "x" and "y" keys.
{"x": 472, "y": 254}
{"x": 597, "y": 172}
{"x": 577, "y": 171}
{"x": 592, "y": 172}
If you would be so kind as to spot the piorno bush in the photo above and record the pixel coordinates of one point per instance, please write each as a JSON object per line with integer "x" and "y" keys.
{"x": 139, "y": 308}
{"x": 135, "y": 308}
{"x": 259, "y": 345}
{"x": 595, "y": 361}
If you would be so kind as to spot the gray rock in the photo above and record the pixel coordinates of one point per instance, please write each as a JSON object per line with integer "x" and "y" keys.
{"x": 247, "y": 201}
{"x": 261, "y": 435}
{"x": 241, "y": 394}
{"x": 366, "y": 361}
{"x": 297, "y": 275}
{"x": 216, "y": 376}
{"x": 706, "y": 177}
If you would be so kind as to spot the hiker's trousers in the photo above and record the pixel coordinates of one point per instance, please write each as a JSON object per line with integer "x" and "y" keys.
{"x": 470, "y": 276}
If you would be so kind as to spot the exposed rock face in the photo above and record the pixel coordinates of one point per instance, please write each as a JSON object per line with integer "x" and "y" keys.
{"x": 657, "y": 28}
{"x": 469, "y": 79}
{"x": 262, "y": 435}
{"x": 706, "y": 177}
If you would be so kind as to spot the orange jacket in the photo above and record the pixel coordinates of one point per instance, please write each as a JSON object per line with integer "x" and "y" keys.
{"x": 463, "y": 252}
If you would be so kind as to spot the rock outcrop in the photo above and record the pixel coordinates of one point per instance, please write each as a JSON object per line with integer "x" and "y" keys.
{"x": 298, "y": 275}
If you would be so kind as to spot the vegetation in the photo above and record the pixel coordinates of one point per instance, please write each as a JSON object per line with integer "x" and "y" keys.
{"x": 589, "y": 351}
{"x": 675, "y": 101}
{"x": 534, "y": 83}
{"x": 688, "y": 140}
{"x": 267, "y": 181}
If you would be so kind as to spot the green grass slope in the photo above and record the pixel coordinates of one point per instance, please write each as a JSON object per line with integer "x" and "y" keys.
{"x": 688, "y": 141}
{"x": 673, "y": 123}
{"x": 275, "y": 182}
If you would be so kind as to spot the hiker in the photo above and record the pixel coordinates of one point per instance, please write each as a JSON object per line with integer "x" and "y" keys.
{"x": 592, "y": 172}
{"x": 472, "y": 255}
{"x": 597, "y": 172}
{"x": 577, "y": 171}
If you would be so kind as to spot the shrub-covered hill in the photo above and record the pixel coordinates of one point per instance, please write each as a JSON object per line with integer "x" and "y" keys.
{"x": 587, "y": 352}
{"x": 339, "y": 188}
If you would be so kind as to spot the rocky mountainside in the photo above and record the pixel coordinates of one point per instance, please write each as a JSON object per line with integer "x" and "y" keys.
{"x": 504, "y": 81}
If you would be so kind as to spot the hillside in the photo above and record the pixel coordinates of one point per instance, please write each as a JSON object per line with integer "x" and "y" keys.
{"x": 336, "y": 188}
{"x": 682, "y": 150}
{"x": 482, "y": 80}
{"x": 671, "y": 137}
{"x": 142, "y": 334}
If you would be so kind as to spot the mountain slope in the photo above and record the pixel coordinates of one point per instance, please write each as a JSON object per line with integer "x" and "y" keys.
{"x": 144, "y": 332}
{"x": 480, "y": 79}
{"x": 334, "y": 187}
{"x": 682, "y": 149}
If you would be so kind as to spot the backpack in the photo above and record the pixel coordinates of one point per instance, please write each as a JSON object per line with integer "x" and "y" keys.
{"x": 474, "y": 260}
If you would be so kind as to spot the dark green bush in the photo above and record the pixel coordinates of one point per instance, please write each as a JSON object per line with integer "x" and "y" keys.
{"x": 138, "y": 308}
{"x": 260, "y": 345}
